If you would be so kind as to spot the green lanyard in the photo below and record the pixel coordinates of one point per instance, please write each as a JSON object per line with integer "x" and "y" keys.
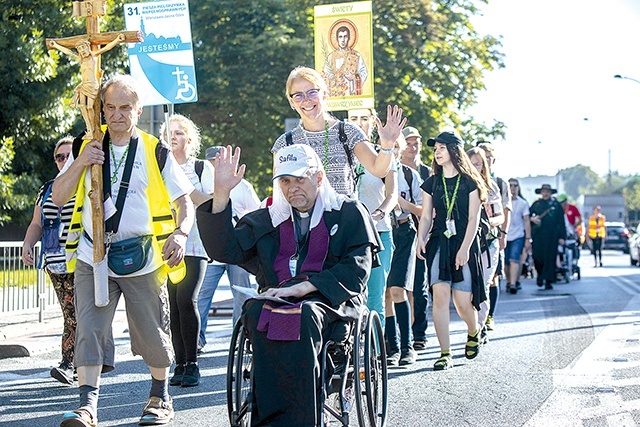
{"x": 114, "y": 175}
{"x": 450, "y": 202}
{"x": 326, "y": 144}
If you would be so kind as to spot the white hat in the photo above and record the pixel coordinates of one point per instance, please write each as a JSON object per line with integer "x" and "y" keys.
{"x": 295, "y": 160}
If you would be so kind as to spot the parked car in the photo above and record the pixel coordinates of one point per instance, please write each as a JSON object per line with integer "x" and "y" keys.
{"x": 617, "y": 236}
{"x": 634, "y": 248}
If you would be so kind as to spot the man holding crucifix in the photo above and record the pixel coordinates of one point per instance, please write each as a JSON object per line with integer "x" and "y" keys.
{"x": 144, "y": 229}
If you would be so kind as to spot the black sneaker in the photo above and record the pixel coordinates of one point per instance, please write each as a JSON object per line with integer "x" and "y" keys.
{"x": 393, "y": 358}
{"x": 178, "y": 374}
{"x": 548, "y": 285}
{"x": 518, "y": 285}
{"x": 539, "y": 282}
{"x": 407, "y": 357}
{"x": 420, "y": 345}
{"x": 63, "y": 373}
{"x": 191, "y": 377}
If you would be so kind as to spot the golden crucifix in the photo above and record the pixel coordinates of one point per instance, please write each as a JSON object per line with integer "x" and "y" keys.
{"x": 86, "y": 93}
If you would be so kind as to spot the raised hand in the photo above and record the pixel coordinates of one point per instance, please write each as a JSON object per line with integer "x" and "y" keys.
{"x": 390, "y": 132}
{"x": 226, "y": 176}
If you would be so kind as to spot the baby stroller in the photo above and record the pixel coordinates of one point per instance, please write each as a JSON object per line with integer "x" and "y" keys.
{"x": 568, "y": 255}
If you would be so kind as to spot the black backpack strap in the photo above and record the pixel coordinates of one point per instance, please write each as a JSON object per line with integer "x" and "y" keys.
{"x": 408, "y": 176}
{"x": 77, "y": 144}
{"x": 288, "y": 137}
{"x": 114, "y": 221}
{"x": 199, "y": 167}
{"x": 162, "y": 152}
{"x": 345, "y": 144}
{"x": 342, "y": 136}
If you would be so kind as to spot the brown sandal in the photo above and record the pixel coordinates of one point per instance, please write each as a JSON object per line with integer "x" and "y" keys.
{"x": 81, "y": 417}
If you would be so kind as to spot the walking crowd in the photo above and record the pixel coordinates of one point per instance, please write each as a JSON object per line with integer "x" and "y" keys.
{"x": 389, "y": 232}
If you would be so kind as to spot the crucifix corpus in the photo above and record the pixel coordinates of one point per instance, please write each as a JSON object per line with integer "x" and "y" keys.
{"x": 87, "y": 92}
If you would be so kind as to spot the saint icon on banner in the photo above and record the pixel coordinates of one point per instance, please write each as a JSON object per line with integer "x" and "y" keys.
{"x": 344, "y": 70}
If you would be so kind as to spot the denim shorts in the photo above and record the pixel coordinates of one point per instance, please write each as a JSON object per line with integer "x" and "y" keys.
{"x": 514, "y": 249}
{"x": 464, "y": 286}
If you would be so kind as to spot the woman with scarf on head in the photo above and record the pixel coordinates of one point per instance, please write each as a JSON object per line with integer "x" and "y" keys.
{"x": 454, "y": 192}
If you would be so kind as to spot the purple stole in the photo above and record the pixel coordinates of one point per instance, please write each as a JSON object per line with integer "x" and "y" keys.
{"x": 281, "y": 322}
{"x": 316, "y": 254}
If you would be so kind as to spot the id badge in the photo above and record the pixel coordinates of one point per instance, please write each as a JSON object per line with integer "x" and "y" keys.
{"x": 293, "y": 265}
{"x": 451, "y": 228}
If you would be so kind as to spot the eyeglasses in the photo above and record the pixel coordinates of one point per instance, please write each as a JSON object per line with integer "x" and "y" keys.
{"x": 61, "y": 157}
{"x": 298, "y": 97}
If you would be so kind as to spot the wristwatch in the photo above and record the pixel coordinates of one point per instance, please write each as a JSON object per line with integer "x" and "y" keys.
{"x": 382, "y": 213}
{"x": 180, "y": 231}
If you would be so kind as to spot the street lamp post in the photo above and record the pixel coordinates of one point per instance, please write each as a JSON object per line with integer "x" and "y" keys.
{"x": 618, "y": 76}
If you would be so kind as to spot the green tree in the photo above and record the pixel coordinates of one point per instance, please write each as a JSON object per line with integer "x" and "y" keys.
{"x": 428, "y": 59}
{"x": 631, "y": 193}
{"x": 579, "y": 179}
{"x": 37, "y": 87}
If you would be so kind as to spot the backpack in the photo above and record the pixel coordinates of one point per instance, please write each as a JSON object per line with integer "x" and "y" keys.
{"x": 49, "y": 241}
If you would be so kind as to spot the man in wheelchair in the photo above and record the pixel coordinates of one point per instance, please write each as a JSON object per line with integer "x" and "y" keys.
{"x": 312, "y": 248}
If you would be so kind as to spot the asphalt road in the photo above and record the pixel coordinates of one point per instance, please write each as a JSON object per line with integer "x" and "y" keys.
{"x": 565, "y": 357}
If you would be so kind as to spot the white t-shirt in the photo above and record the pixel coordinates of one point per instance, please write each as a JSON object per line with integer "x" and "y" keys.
{"x": 371, "y": 192}
{"x": 520, "y": 209}
{"x": 204, "y": 184}
{"x": 403, "y": 190}
{"x": 136, "y": 217}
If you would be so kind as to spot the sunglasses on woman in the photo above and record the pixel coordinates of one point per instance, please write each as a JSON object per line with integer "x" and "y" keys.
{"x": 61, "y": 157}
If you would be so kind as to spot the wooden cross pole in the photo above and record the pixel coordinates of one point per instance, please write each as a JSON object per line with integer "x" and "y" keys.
{"x": 87, "y": 93}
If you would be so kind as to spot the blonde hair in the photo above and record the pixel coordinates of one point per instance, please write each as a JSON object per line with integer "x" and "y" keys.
{"x": 308, "y": 74}
{"x": 190, "y": 128}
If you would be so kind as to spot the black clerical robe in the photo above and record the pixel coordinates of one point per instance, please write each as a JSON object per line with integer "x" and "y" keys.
{"x": 287, "y": 373}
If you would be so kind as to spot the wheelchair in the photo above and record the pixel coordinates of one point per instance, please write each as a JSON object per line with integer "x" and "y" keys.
{"x": 363, "y": 379}
{"x": 568, "y": 255}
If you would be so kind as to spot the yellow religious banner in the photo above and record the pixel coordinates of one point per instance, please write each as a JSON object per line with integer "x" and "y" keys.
{"x": 343, "y": 41}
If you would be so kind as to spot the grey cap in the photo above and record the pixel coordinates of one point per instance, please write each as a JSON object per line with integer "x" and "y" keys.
{"x": 212, "y": 151}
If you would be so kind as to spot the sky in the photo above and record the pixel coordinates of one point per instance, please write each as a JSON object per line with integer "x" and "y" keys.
{"x": 557, "y": 94}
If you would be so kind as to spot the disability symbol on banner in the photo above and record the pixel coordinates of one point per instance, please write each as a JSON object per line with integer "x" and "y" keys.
{"x": 163, "y": 63}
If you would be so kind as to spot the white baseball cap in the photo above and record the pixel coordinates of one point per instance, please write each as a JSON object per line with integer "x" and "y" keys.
{"x": 295, "y": 160}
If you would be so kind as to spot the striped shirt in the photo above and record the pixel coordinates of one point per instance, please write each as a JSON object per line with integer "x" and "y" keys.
{"x": 55, "y": 261}
{"x": 341, "y": 176}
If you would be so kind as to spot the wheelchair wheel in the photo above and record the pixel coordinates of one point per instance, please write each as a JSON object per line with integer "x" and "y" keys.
{"x": 375, "y": 366}
{"x": 371, "y": 387}
{"x": 239, "y": 378}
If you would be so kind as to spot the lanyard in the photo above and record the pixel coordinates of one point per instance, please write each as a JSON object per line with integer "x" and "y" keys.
{"x": 117, "y": 163}
{"x": 450, "y": 202}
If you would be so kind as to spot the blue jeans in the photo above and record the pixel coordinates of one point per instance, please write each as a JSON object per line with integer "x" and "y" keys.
{"x": 237, "y": 277}
{"x": 377, "y": 282}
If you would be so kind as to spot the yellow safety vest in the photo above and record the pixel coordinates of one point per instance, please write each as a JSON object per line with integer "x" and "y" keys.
{"x": 596, "y": 226}
{"x": 163, "y": 222}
